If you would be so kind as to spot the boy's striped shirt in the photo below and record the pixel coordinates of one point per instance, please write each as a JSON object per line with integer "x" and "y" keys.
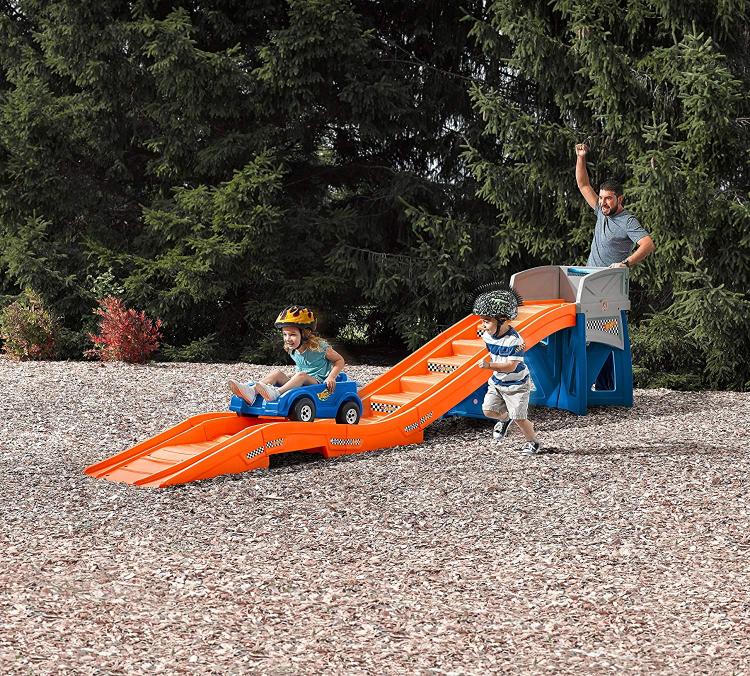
{"x": 504, "y": 349}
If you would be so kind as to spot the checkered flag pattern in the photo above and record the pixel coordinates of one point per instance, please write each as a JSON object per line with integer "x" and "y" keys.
{"x": 381, "y": 407}
{"x": 346, "y": 442}
{"x": 419, "y": 423}
{"x": 262, "y": 449}
{"x": 440, "y": 368}
{"x": 609, "y": 325}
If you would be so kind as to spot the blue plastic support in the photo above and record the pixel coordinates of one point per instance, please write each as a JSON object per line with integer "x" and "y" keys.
{"x": 620, "y": 362}
{"x": 573, "y": 356}
{"x": 471, "y": 407}
{"x": 544, "y": 364}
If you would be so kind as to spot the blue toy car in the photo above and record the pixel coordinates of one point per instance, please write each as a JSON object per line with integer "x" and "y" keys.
{"x": 309, "y": 402}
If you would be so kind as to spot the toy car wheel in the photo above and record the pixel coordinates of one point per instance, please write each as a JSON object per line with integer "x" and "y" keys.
{"x": 303, "y": 410}
{"x": 348, "y": 413}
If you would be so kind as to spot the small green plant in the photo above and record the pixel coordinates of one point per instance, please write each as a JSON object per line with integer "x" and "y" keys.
{"x": 665, "y": 355}
{"x": 717, "y": 319}
{"x": 124, "y": 334}
{"x": 105, "y": 284}
{"x": 27, "y": 329}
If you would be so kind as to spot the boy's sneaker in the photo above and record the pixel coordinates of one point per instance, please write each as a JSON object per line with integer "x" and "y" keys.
{"x": 245, "y": 392}
{"x": 531, "y": 448}
{"x": 500, "y": 431}
{"x": 268, "y": 392}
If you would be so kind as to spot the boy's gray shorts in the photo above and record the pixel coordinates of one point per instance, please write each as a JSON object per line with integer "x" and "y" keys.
{"x": 513, "y": 400}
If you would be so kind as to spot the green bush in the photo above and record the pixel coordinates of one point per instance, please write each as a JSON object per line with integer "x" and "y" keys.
{"x": 70, "y": 345}
{"x": 104, "y": 285}
{"x": 717, "y": 319}
{"x": 643, "y": 377}
{"x": 265, "y": 348}
{"x": 662, "y": 344}
{"x": 206, "y": 349}
{"x": 699, "y": 342}
{"x": 27, "y": 329}
{"x": 666, "y": 355}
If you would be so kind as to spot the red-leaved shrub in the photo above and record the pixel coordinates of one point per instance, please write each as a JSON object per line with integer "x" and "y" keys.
{"x": 124, "y": 334}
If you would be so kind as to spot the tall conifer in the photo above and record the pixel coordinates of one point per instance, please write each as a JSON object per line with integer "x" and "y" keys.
{"x": 659, "y": 90}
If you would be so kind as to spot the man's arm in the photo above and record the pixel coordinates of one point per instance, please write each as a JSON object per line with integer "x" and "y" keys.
{"x": 582, "y": 176}
{"x": 644, "y": 248}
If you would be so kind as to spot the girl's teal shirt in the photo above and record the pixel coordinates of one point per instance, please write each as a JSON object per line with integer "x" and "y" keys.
{"x": 313, "y": 362}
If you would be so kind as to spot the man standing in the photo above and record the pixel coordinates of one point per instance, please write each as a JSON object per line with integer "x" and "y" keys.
{"x": 616, "y": 230}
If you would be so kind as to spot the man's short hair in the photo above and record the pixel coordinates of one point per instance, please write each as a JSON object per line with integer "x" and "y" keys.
{"x": 612, "y": 184}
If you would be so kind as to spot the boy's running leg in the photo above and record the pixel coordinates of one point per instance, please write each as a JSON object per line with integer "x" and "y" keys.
{"x": 500, "y": 430}
{"x": 494, "y": 408}
{"x": 517, "y": 401}
{"x": 532, "y": 445}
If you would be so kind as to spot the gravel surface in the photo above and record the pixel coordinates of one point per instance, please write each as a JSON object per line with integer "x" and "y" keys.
{"x": 625, "y": 549}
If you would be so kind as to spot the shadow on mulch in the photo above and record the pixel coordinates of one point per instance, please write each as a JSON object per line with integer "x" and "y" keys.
{"x": 553, "y": 420}
{"x": 298, "y": 460}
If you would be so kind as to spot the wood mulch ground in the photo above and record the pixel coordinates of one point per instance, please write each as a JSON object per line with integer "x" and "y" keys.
{"x": 627, "y": 549}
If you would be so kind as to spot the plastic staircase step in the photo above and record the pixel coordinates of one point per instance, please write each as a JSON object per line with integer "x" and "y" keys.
{"x": 446, "y": 364}
{"x": 420, "y": 383}
{"x": 467, "y": 347}
{"x": 384, "y": 404}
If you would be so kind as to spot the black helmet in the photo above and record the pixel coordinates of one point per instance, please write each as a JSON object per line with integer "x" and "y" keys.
{"x": 497, "y": 302}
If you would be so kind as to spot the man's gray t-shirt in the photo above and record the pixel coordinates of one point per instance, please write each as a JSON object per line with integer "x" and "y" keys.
{"x": 614, "y": 237}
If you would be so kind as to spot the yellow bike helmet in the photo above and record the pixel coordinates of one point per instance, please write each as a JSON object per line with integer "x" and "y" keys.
{"x": 294, "y": 315}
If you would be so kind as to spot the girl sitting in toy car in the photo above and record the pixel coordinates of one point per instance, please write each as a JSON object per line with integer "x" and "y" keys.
{"x": 315, "y": 361}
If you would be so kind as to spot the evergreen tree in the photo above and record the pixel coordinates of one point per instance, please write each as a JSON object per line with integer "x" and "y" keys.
{"x": 660, "y": 92}
{"x": 224, "y": 159}
{"x": 429, "y": 240}
{"x": 108, "y": 109}
{"x": 215, "y": 161}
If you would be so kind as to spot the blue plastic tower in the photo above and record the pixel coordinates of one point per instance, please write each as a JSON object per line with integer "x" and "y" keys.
{"x": 589, "y": 364}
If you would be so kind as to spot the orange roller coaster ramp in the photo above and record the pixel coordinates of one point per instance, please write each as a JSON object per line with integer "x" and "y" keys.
{"x": 397, "y": 407}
